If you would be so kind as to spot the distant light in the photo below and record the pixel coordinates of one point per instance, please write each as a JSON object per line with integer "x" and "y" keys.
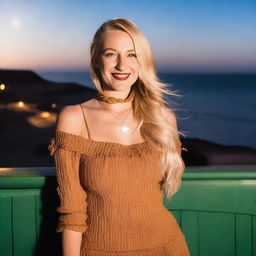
{"x": 7, "y": 169}
{"x": 16, "y": 23}
{"x": 53, "y": 105}
{"x": 44, "y": 114}
{"x": 21, "y": 104}
{"x": 2, "y": 87}
{"x": 43, "y": 119}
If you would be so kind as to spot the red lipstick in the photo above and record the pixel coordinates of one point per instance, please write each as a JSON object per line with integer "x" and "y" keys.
{"x": 120, "y": 76}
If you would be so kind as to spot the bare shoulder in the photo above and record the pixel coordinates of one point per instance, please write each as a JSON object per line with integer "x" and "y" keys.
{"x": 70, "y": 119}
{"x": 171, "y": 117}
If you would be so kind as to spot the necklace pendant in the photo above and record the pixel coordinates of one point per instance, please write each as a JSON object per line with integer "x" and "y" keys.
{"x": 124, "y": 128}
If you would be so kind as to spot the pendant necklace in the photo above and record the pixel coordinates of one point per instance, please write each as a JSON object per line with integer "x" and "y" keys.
{"x": 124, "y": 128}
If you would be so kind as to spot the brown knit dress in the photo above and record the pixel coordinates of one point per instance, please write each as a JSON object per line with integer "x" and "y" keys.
{"x": 111, "y": 193}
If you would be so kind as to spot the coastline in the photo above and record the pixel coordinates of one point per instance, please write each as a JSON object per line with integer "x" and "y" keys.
{"x": 26, "y": 129}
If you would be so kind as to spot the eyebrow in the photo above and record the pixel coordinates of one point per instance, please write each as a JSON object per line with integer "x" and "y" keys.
{"x": 112, "y": 49}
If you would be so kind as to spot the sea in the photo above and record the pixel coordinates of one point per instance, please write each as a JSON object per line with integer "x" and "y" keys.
{"x": 220, "y": 108}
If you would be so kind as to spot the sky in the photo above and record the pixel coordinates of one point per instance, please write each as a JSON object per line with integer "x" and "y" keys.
{"x": 185, "y": 36}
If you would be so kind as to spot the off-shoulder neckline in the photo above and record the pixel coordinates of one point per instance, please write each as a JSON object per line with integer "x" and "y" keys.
{"x": 101, "y": 142}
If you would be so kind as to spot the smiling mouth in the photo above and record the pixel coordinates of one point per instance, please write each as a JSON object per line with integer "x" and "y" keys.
{"x": 120, "y": 76}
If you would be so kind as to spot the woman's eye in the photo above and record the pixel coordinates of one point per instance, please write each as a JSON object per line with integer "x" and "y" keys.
{"x": 132, "y": 55}
{"x": 109, "y": 54}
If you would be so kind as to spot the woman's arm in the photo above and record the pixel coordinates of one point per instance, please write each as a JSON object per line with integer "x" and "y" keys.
{"x": 72, "y": 208}
{"x": 71, "y": 242}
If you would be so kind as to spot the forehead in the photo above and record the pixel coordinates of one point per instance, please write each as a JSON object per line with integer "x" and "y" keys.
{"x": 118, "y": 40}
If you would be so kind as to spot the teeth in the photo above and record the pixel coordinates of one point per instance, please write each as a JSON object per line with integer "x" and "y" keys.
{"x": 120, "y": 75}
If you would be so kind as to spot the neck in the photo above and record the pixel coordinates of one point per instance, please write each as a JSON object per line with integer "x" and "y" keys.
{"x": 117, "y": 107}
{"x": 108, "y": 101}
{"x": 120, "y": 94}
{"x": 116, "y": 94}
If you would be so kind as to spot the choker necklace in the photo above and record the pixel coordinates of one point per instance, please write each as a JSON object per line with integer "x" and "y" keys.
{"x": 123, "y": 126}
{"x": 113, "y": 100}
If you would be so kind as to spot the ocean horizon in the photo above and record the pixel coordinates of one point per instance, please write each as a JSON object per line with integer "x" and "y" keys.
{"x": 216, "y": 107}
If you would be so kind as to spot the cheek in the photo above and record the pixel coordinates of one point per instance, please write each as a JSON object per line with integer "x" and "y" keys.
{"x": 106, "y": 64}
{"x": 135, "y": 67}
{"x": 104, "y": 70}
{"x": 132, "y": 62}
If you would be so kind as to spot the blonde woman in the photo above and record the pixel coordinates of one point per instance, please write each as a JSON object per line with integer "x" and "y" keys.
{"x": 116, "y": 154}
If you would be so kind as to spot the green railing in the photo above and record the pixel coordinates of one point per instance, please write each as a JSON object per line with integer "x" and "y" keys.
{"x": 215, "y": 208}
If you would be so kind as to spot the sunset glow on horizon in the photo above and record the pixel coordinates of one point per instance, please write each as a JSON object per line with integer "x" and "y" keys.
{"x": 195, "y": 36}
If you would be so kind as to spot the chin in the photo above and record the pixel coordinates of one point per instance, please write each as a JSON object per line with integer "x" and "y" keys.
{"x": 121, "y": 86}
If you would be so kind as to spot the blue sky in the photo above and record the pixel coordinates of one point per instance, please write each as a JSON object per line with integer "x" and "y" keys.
{"x": 185, "y": 36}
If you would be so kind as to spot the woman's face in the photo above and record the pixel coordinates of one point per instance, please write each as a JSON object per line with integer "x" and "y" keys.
{"x": 118, "y": 64}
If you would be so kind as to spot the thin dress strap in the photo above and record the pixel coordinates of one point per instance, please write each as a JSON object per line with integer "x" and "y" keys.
{"x": 86, "y": 124}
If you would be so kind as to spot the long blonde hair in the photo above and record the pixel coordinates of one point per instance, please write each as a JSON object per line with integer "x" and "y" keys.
{"x": 149, "y": 102}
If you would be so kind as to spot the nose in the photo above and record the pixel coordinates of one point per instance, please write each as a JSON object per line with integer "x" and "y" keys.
{"x": 121, "y": 62}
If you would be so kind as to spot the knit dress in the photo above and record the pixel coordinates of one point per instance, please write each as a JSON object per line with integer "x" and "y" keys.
{"x": 111, "y": 193}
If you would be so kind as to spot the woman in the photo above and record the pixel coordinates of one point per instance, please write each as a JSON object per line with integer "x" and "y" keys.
{"x": 115, "y": 154}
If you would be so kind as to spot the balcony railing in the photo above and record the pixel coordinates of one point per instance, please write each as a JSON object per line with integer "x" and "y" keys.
{"x": 215, "y": 208}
